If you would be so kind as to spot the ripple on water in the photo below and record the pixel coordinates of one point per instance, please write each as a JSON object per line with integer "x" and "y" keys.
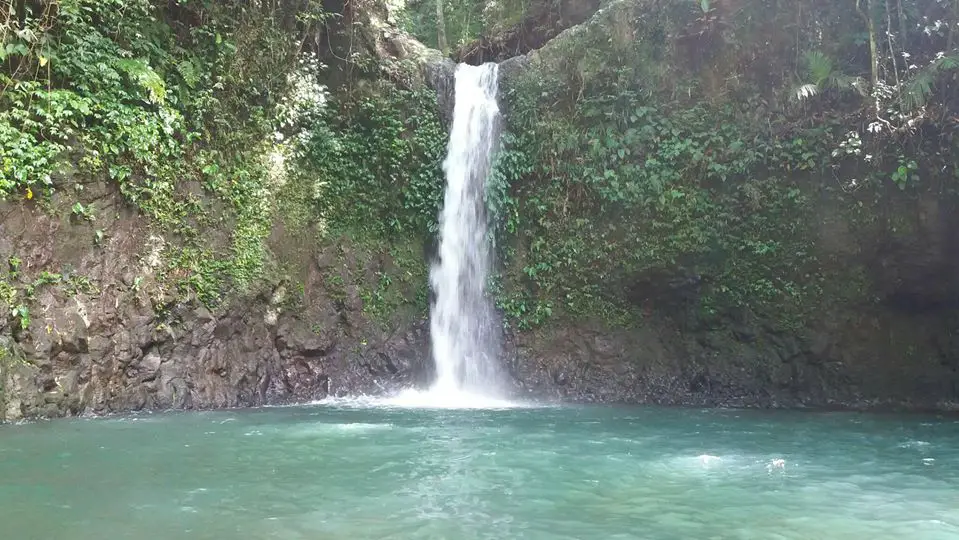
{"x": 321, "y": 429}
{"x": 913, "y": 444}
{"x": 367, "y": 471}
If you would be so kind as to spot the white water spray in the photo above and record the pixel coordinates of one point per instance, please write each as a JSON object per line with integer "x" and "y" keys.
{"x": 463, "y": 325}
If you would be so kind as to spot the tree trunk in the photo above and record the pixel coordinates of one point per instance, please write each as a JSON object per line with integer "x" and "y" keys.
{"x": 441, "y": 28}
{"x": 873, "y": 47}
{"x": 893, "y": 57}
{"x": 21, "y": 13}
{"x": 950, "y": 42}
{"x": 903, "y": 33}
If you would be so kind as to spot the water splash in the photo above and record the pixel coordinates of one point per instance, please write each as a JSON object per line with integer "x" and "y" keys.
{"x": 456, "y": 399}
{"x": 463, "y": 325}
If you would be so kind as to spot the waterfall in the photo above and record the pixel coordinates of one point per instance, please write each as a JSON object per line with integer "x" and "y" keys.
{"x": 463, "y": 325}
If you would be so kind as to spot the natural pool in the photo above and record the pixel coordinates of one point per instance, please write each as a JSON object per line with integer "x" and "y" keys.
{"x": 350, "y": 470}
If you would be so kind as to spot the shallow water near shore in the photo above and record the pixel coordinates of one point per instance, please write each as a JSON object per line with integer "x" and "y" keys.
{"x": 364, "y": 470}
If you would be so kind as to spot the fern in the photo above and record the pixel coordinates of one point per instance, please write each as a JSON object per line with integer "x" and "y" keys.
{"x": 918, "y": 89}
{"x": 189, "y": 72}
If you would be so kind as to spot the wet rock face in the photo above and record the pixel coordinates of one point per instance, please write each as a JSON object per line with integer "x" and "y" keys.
{"x": 440, "y": 76}
{"x": 663, "y": 365}
{"x": 108, "y": 350}
{"x": 917, "y": 269}
{"x": 205, "y": 361}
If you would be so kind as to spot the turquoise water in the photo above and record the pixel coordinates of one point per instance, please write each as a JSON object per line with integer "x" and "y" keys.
{"x": 345, "y": 472}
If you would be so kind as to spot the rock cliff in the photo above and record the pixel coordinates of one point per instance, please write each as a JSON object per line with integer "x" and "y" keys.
{"x": 879, "y": 331}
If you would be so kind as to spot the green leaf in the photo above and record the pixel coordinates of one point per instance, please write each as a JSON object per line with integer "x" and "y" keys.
{"x": 141, "y": 73}
{"x": 189, "y": 72}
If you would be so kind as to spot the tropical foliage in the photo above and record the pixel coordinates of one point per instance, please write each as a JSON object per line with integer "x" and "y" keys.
{"x": 172, "y": 102}
{"x": 688, "y": 144}
{"x": 466, "y": 20}
{"x": 689, "y": 139}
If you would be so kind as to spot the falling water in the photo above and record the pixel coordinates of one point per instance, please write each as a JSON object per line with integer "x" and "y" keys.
{"x": 463, "y": 325}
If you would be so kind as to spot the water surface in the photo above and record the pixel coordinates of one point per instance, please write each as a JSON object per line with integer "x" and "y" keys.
{"x": 347, "y": 472}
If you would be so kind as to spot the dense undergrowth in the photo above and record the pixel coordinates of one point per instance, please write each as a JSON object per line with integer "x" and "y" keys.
{"x": 374, "y": 162}
{"x": 671, "y": 157}
{"x": 677, "y": 154}
{"x": 174, "y": 103}
{"x": 212, "y": 117}
{"x": 364, "y": 170}
{"x": 466, "y": 20}
{"x": 674, "y": 155}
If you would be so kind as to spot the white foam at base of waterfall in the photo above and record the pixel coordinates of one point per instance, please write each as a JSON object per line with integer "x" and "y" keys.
{"x": 427, "y": 399}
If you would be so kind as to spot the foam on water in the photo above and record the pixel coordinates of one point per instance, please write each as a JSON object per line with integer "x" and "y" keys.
{"x": 424, "y": 399}
{"x": 438, "y": 399}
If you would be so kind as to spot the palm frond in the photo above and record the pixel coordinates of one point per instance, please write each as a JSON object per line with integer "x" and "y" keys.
{"x": 806, "y": 91}
{"x": 819, "y": 66}
{"x": 822, "y": 75}
{"x": 918, "y": 89}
